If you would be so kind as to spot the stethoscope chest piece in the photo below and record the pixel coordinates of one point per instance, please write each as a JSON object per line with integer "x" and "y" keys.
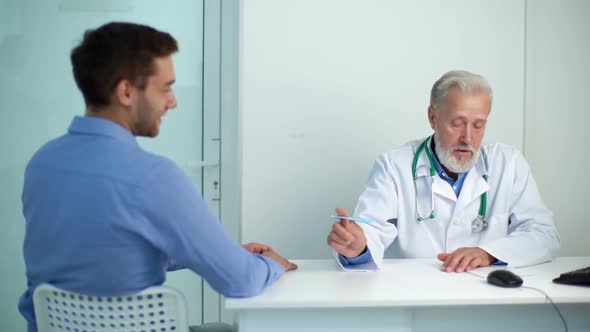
{"x": 479, "y": 224}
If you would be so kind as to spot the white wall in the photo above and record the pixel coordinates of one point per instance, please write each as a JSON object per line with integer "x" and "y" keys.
{"x": 327, "y": 85}
{"x": 558, "y": 113}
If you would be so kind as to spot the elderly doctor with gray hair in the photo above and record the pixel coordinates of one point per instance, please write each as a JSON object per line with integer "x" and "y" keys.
{"x": 448, "y": 196}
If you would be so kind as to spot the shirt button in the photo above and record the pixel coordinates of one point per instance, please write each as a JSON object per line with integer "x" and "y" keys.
{"x": 456, "y": 221}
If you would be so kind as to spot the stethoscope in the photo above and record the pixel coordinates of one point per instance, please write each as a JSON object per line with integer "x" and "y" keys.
{"x": 479, "y": 223}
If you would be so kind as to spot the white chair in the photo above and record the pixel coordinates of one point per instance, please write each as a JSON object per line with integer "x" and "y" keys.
{"x": 156, "y": 309}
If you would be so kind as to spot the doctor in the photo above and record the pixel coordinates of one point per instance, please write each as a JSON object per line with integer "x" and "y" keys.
{"x": 448, "y": 196}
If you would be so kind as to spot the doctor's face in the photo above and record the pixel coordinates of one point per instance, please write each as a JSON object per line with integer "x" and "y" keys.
{"x": 459, "y": 126}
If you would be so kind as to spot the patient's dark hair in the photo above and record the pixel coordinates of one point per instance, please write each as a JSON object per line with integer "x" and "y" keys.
{"x": 114, "y": 52}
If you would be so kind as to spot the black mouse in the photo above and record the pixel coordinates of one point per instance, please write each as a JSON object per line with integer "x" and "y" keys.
{"x": 504, "y": 278}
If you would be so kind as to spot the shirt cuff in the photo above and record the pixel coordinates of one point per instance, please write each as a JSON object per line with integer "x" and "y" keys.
{"x": 275, "y": 268}
{"x": 360, "y": 259}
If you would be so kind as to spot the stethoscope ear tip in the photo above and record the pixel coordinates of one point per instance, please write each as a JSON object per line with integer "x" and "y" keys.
{"x": 430, "y": 217}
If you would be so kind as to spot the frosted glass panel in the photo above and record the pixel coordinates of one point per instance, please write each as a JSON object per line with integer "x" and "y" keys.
{"x": 39, "y": 98}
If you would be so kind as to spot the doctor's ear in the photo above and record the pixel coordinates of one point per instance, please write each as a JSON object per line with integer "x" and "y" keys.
{"x": 431, "y": 116}
{"x": 123, "y": 93}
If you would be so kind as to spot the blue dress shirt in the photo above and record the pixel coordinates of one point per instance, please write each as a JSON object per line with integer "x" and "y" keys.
{"x": 104, "y": 217}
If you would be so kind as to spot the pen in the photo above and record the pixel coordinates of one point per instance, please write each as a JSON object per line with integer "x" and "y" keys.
{"x": 363, "y": 220}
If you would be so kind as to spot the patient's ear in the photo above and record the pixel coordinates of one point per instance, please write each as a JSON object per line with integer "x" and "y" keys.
{"x": 123, "y": 93}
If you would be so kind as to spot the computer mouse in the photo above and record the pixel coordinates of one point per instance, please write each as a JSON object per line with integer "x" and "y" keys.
{"x": 504, "y": 278}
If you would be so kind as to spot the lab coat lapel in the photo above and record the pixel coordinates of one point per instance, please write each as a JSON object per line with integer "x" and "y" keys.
{"x": 473, "y": 186}
{"x": 439, "y": 186}
{"x": 442, "y": 188}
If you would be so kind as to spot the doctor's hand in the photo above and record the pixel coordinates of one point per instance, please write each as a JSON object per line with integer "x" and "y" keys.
{"x": 346, "y": 237}
{"x": 465, "y": 259}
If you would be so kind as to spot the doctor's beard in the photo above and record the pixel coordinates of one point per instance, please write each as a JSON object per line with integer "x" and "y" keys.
{"x": 450, "y": 162}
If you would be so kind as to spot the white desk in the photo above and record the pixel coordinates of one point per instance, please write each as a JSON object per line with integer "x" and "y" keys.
{"x": 413, "y": 295}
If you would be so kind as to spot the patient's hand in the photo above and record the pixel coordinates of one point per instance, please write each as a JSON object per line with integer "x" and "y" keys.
{"x": 256, "y": 248}
{"x": 283, "y": 261}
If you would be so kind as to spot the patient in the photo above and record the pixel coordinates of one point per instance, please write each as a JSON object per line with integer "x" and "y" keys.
{"x": 105, "y": 217}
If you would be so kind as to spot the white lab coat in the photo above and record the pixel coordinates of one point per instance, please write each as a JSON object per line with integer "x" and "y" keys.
{"x": 520, "y": 227}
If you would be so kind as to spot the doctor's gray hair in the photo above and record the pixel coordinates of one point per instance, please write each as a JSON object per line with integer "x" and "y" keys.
{"x": 467, "y": 82}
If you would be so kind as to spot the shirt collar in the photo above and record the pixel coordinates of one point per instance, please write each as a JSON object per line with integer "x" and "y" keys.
{"x": 87, "y": 125}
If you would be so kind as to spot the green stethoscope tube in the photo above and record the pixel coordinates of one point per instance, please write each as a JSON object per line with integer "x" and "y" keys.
{"x": 484, "y": 197}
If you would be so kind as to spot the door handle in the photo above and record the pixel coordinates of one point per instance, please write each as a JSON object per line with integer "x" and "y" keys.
{"x": 202, "y": 163}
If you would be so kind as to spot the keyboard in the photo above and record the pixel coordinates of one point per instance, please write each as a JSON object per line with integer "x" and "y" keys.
{"x": 576, "y": 277}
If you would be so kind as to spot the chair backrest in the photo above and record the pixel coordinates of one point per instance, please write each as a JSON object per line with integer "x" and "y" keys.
{"x": 155, "y": 309}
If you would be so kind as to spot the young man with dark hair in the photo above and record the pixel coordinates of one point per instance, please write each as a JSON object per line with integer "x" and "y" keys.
{"x": 105, "y": 217}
